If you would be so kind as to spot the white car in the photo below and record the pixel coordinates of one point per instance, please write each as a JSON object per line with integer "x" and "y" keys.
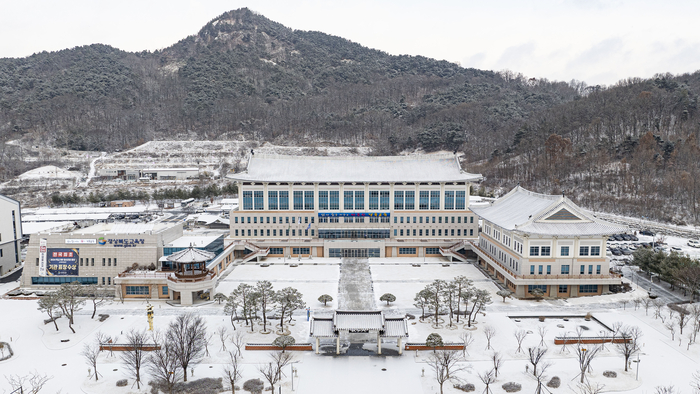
{"x": 694, "y": 243}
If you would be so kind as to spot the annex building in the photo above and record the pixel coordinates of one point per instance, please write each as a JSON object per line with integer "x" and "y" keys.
{"x": 10, "y": 234}
{"x": 535, "y": 241}
{"x": 356, "y": 206}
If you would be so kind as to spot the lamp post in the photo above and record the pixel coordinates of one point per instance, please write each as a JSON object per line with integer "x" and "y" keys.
{"x": 637, "y": 361}
{"x": 294, "y": 371}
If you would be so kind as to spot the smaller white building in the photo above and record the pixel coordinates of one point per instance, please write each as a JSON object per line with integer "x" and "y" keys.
{"x": 536, "y": 241}
{"x": 10, "y": 234}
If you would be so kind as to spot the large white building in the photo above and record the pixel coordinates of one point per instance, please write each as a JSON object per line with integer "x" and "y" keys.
{"x": 10, "y": 234}
{"x": 354, "y": 206}
{"x": 532, "y": 240}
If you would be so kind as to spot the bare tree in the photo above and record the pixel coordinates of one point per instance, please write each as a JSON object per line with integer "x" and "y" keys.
{"x": 222, "y": 332}
{"x": 519, "y": 337}
{"x": 422, "y": 301}
{"x": 682, "y": 318}
{"x": 665, "y": 390}
{"x": 637, "y": 302}
{"x": 284, "y": 341}
{"x": 695, "y": 383}
{"x": 163, "y": 364}
{"x": 272, "y": 371}
{"x": 590, "y": 388}
{"x": 630, "y": 344}
{"x": 90, "y": 353}
{"x": 542, "y": 330}
{"x": 463, "y": 285}
{"x": 624, "y": 304}
{"x": 487, "y": 378}
{"x": 436, "y": 301}
{"x": 232, "y": 371}
{"x": 188, "y": 335}
{"x": 541, "y": 377}
{"x": 658, "y": 309}
{"x": 535, "y": 354}
{"x": 49, "y": 305}
{"x": 70, "y": 301}
{"x": 497, "y": 360}
{"x": 27, "y": 384}
{"x": 238, "y": 340}
{"x": 671, "y": 326}
{"x": 445, "y": 364}
{"x": 133, "y": 357}
{"x": 647, "y": 302}
{"x": 489, "y": 332}
{"x": 480, "y": 299}
{"x": 207, "y": 342}
{"x": 584, "y": 357}
{"x": 467, "y": 338}
{"x": 96, "y": 295}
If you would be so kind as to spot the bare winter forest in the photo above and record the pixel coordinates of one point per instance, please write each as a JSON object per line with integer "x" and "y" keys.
{"x": 631, "y": 148}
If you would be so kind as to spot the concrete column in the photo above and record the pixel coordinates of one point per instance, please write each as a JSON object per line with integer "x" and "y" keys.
{"x": 442, "y": 196}
{"x": 186, "y": 298}
{"x": 467, "y": 186}
{"x": 337, "y": 344}
{"x": 317, "y": 344}
{"x": 379, "y": 344}
{"x": 366, "y": 197}
{"x": 341, "y": 197}
{"x": 266, "y": 201}
{"x": 391, "y": 198}
{"x": 400, "y": 348}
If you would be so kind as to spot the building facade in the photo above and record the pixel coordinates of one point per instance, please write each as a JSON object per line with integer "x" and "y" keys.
{"x": 534, "y": 241}
{"x": 10, "y": 234}
{"x": 95, "y": 254}
{"x": 405, "y": 206}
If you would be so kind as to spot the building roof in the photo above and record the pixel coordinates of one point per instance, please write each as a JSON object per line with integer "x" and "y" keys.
{"x": 191, "y": 255}
{"x": 198, "y": 241}
{"x": 523, "y": 211}
{"x": 43, "y": 227}
{"x": 169, "y": 169}
{"x": 417, "y": 168}
{"x": 358, "y": 321}
{"x": 126, "y": 228}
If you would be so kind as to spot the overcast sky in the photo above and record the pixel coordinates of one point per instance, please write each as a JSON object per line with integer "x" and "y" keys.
{"x": 596, "y": 41}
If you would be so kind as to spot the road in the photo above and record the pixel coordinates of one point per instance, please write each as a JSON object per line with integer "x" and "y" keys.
{"x": 661, "y": 289}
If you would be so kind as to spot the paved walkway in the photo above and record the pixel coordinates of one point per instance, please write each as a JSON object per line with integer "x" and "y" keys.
{"x": 355, "y": 290}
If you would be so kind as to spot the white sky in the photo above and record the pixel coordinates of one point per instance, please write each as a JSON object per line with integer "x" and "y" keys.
{"x": 597, "y": 41}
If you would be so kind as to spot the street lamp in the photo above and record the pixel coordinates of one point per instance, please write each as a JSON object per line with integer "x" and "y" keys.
{"x": 637, "y": 361}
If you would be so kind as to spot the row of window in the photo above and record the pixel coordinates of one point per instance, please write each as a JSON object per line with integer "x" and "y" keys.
{"x": 301, "y": 250}
{"x": 137, "y": 290}
{"x": 564, "y": 269}
{"x": 57, "y": 280}
{"x": 90, "y": 262}
{"x": 564, "y": 288}
{"x": 353, "y": 200}
{"x": 564, "y": 251}
{"x": 273, "y": 219}
{"x": 338, "y": 252}
{"x": 351, "y": 233}
{"x": 432, "y": 232}
{"x": 273, "y": 232}
{"x": 435, "y": 219}
{"x": 407, "y": 251}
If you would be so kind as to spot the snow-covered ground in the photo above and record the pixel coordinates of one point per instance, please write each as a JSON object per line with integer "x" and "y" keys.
{"x": 663, "y": 361}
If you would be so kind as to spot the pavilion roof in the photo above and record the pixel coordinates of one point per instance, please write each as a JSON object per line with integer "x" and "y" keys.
{"x": 191, "y": 255}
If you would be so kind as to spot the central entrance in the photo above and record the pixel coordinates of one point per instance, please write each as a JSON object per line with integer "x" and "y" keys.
{"x": 354, "y": 252}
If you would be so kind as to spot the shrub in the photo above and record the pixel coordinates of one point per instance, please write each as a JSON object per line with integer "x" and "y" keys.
{"x": 554, "y": 382}
{"x": 466, "y": 387}
{"x": 512, "y": 387}
{"x": 122, "y": 382}
{"x": 610, "y": 374}
{"x": 254, "y": 386}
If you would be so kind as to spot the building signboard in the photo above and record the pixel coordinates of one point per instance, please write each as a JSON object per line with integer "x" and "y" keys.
{"x": 62, "y": 262}
{"x": 42, "y": 257}
{"x": 121, "y": 242}
{"x": 81, "y": 241}
{"x": 352, "y": 214}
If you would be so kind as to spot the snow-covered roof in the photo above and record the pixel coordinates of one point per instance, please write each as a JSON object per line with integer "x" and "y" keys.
{"x": 191, "y": 255}
{"x": 68, "y": 211}
{"x": 208, "y": 219}
{"x": 169, "y": 169}
{"x": 66, "y": 217}
{"x": 125, "y": 228}
{"x": 198, "y": 241}
{"x": 527, "y": 212}
{"x": 49, "y": 172}
{"x": 417, "y": 168}
{"x": 358, "y": 321}
{"x": 43, "y": 227}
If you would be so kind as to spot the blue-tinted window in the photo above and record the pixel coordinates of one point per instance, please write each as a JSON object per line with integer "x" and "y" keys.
{"x": 449, "y": 199}
{"x": 347, "y": 200}
{"x": 284, "y": 200}
{"x": 272, "y": 200}
{"x": 322, "y": 200}
{"x": 460, "y": 200}
{"x": 298, "y": 200}
{"x": 398, "y": 200}
{"x": 309, "y": 200}
{"x": 374, "y": 200}
{"x": 258, "y": 200}
{"x": 435, "y": 199}
{"x": 334, "y": 200}
{"x": 359, "y": 200}
{"x": 384, "y": 199}
{"x": 424, "y": 199}
{"x": 409, "y": 201}
{"x": 565, "y": 270}
{"x": 247, "y": 200}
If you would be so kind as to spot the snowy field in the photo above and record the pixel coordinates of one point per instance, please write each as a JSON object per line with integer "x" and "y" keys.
{"x": 663, "y": 361}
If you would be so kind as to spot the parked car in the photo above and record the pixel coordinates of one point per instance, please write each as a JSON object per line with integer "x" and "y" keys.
{"x": 618, "y": 237}
{"x": 626, "y": 252}
{"x": 647, "y": 232}
{"x": 616, "y": 252}
{"x": 694, "y": 243}
{"x": 676, "y": 248}
{"x": 634, "y": 238}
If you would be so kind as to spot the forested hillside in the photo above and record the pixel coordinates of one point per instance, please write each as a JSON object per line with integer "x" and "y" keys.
{"x": 630, "y": 148}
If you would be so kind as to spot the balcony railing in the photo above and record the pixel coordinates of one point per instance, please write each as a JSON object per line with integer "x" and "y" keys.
{"x": 191, "y": 278}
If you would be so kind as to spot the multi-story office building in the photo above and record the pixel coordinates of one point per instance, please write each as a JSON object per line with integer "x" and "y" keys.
{"x": 352, "y": 206}
{"x": 536, "y": 241}
{"x": 10, "y": 234}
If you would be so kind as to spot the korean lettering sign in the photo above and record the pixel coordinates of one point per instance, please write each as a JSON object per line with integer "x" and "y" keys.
{"x": 124, "y": 242}
{"x": 62, "y": 262}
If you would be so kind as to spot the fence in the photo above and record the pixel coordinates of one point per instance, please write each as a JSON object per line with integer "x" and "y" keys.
{"x": 297, "y": 347}
{"x": 423, "y": 346}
